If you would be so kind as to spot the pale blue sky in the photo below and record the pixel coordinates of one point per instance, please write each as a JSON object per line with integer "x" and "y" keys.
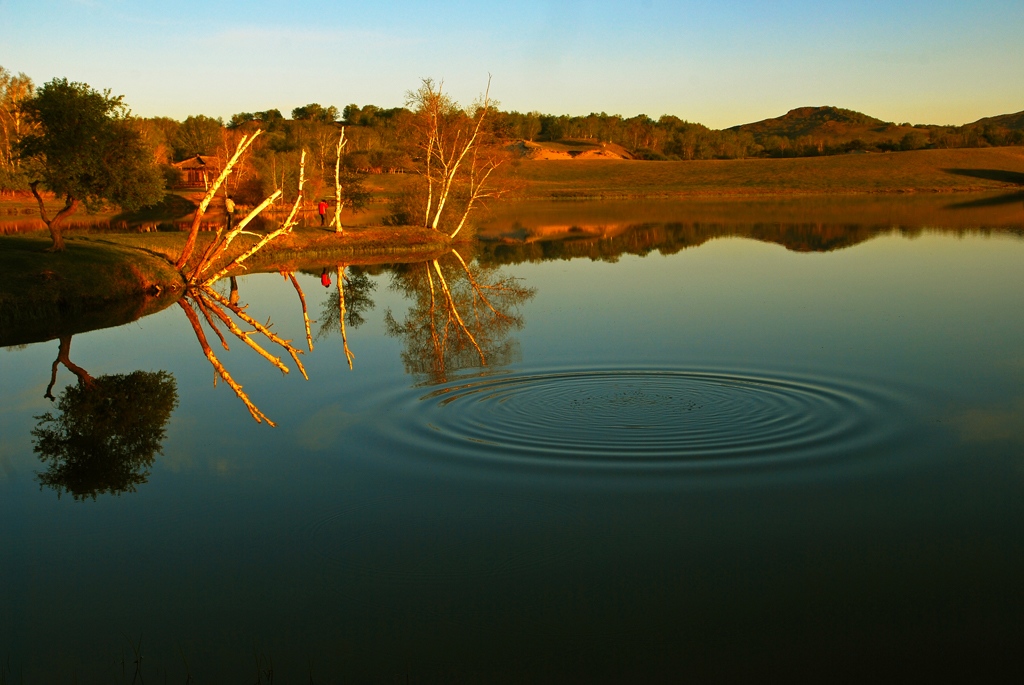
{"x": 720, "y": 63}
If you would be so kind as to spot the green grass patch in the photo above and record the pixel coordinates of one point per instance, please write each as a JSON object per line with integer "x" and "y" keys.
{"x": 87, "y": 278}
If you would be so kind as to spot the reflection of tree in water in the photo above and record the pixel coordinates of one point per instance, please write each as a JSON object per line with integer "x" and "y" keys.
{"x": 461, "y": 316}
{"x": 358, "y": 288}
{"x": 106, "y": 432}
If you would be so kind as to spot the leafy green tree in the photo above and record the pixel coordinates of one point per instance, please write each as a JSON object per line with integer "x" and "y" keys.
{"x": 87, "y": 148}
{"x": 316, "y": 112}
{"x": 914, "y": 140}
{"x": 105, "y": 434}
{"x": 198, "y": 135}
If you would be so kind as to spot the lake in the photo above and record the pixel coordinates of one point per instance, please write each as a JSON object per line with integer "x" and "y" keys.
{"x": 620, "y": 441}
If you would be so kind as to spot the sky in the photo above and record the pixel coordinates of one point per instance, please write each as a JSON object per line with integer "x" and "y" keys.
{"x": 720, "y": 63}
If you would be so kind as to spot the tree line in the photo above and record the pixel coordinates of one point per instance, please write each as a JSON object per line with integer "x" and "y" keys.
{"x": 383, "y": 140}
{"x": 389, "y": 140}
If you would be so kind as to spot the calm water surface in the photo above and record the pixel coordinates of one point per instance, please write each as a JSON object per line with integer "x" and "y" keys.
{"x": 712, "y": 461}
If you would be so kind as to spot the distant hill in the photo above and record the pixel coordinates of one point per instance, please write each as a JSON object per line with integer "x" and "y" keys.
{"x": 1012, "y": 122}
{"x": 811, "y": 121}
{"x": 830, "y": 130}
{"x": 827, "y": 129}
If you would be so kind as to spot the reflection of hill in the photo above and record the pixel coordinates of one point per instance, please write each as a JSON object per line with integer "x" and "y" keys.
{"x": 605, "y": 230}
{"x": 641, "y": 239}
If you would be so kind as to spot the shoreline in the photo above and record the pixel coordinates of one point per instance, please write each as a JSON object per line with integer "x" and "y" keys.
{"x": 104, "y": 280}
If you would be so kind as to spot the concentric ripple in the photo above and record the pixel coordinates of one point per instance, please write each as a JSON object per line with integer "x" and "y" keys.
{"x": 668, "y": 417}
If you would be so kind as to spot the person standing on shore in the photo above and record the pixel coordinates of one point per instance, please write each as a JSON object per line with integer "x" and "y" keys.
{"x": 229, "y": 209}
{"x": 322, "y": 208}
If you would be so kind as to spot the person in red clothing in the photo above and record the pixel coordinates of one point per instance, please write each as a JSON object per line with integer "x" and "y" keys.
{"x": 325, "y": 279}
{"x": 322, "y": 208}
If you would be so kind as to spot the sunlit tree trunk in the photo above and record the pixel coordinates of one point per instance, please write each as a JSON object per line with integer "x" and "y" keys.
{"x": 337, "y": 181}
{"x": 286, "y": 227}
{"x": 54, "y": 224}
{"x": 211, "y": 192}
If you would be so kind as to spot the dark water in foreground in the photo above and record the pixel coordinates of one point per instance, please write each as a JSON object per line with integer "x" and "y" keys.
{"x": 714, "y": 462}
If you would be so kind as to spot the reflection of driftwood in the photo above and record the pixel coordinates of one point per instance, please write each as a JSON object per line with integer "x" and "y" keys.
{"x": 305, "y": 312}
{"x": 198, "y": 296}
{"x": 218, "y": 367}
{"x": 190, "y": 243}
{"x": 209, "y": 319}
{"x": 264, "y": 329}
{"x": 215, "y": 307}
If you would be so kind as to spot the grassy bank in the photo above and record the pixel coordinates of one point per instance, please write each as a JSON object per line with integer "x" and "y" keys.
{"x": 360, "y": 245}
{"x": 86, "y": 286}
{"x": 107, "y": 279}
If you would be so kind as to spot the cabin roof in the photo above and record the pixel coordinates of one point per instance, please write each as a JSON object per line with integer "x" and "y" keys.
{"x": 199, "y": 162}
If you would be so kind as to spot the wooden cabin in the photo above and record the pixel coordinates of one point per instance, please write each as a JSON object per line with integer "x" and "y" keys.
{"x": 199, "y": 171}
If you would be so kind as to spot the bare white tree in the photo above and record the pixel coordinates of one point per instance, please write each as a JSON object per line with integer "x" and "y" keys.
{"x": 452, "y": 151}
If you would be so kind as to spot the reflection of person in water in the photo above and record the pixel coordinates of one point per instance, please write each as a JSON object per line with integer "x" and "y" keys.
{"x": 106, "y": 432}
{"x": 325, "y": 279}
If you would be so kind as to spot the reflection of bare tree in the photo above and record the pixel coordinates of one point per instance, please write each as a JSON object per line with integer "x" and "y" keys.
{"x": 461, "y": 316}
{"x": 346, "y": 305}
{"x": 106, "y": 432}
{"x": 302, "y": 300}
{"x": 217, "y": 309}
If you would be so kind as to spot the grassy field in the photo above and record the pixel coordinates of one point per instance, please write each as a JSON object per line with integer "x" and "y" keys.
{"x": 920, "y": 171}
{"x": 899, "y": 172}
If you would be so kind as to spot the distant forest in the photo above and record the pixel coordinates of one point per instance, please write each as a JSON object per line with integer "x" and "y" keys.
{"x": 381, "y": 139}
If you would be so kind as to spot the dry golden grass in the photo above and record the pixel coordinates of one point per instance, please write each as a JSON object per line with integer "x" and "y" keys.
{"x": 959, "y": 170}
